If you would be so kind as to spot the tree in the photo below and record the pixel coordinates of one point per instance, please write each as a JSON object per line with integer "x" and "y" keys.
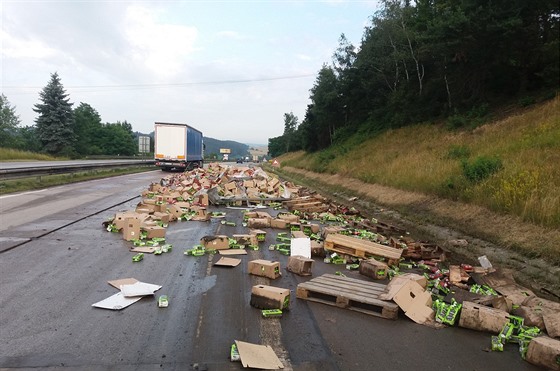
{"x": 118, "y": 139}
{"x": 327, "y": 108}
{"x": 290, "y": 127}
{"x": 87, "y": 127}
{"x": 9, "y": 122}
{"x": 55, "y": 121}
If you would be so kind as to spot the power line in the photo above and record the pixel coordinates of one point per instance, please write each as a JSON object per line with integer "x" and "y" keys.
{"x": 94, "y": 88}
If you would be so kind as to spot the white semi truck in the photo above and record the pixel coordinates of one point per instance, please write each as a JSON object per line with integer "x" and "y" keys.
{"x": 177, "y": 146}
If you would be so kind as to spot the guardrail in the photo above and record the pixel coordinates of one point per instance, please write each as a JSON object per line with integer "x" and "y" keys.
{"x": 27, "y": 172}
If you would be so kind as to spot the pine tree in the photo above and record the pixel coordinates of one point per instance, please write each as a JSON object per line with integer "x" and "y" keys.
{"x": 9, "y": 122}
{"x": 55, "y": 121}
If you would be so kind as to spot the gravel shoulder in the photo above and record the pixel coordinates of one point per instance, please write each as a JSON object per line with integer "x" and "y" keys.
{"x": 444, "y": 221}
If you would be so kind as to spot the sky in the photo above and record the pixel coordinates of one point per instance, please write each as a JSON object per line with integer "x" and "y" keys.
{"x": 231, "y": 69}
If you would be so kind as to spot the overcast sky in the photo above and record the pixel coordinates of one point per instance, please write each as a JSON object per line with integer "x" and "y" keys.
{"x": 229, "y": 68}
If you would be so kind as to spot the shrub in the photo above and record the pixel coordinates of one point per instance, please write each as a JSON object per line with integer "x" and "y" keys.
{"x": 458, "y": 152}
{"x": 481, "y": 168}
{"x": 527, "y": 101}
{"x": 456, "y": 122}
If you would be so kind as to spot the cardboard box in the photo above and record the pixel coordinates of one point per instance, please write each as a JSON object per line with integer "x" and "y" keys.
{"x": 552, "y": 324}
{"x": 482, "y": 318}
{"x": 264, "y": 268}
{"x": 258, "y": 223}
{"x": 300, "y": 265}
{"x": 310, "y": 228}
{"x": 120, "y": 218}
{"x": 250, "y": 214}
{"x": 373, "y": 269}
{"x": 544, "y": 351}
{"x": 245, "y": 239}
{"x": 259, "y": 234}
{"x": 291, "y": 218}
{"x": 201, "y": 214}
{"x": 263, "y": 214}
{"x": 269, "y": 297}
{"x": 215, "y": 242}
{"x": 331, "y": 229}
{"x": 175, "y": 210}
{"x": 249, "y": 184}
{"x": 163, "y": 216}
{"x": 279, "y": 223}
{"x": 231, "y": 186}
{"x": 416, "y": 302}
{"x": 317, "y": 249}
{"x": 155, "y": 232}
{"x": 298, "y": 234}
{"x": 131, "y": 229}
{"x": 258, "y": 356}
{"x": 201, "y": 200}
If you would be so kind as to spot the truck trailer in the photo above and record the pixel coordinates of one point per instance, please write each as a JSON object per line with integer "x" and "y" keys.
{"x": 177, "y": 146}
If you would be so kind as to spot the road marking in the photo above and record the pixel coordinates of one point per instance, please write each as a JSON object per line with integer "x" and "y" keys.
{"x": 271, "y": 334}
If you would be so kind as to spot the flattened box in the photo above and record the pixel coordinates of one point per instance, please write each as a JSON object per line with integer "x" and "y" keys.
{"x": 269, "y": 297}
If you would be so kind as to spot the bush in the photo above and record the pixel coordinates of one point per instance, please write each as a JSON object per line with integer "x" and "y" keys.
{"x": 481, "y": 168}
{"x": 456, "y": 121}
{"x": 457, "y": 152}
{"x": 527, "y": 101}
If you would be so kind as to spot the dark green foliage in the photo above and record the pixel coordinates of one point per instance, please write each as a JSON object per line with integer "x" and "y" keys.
{"x": 457, "y": 152}
{"x": 88, "y": 129}
{"x": 55, "y": 126}
{"x": 9, "y": 122}
{"x": 427, "y": 60}
{"x": 481, "y": 168}
{"x": 276, "y": 146}
{"x": 117, "y": 139}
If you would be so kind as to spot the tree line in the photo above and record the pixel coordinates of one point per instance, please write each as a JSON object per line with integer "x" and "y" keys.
{"x": 61, "y": 130}
{"x": 429, "y": 59}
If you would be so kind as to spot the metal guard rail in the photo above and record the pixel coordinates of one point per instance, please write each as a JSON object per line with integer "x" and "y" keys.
{"x": 17, "y": 173}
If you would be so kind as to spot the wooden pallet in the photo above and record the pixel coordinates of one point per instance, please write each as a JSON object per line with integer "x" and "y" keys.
{"x": 357, "y": 247}
{"x": 348, "y": 293}
{"x": 305, "y": 205}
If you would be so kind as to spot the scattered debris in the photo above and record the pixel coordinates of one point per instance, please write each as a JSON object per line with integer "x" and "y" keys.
{"x": 270, "y": 297}
{"x": 349, "y": 293}
{"x": 429, "y": 290}
{"x": 257, "y": 356}
{"x": 132, "y": 290}
{"x": 228, "y": 262}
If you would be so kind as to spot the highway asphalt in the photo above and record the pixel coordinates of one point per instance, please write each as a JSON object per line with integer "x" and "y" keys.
{"x": 56, "y": 260}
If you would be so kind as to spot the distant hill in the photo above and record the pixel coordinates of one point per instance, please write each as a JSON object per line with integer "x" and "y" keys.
{"x": 213, "y": 148}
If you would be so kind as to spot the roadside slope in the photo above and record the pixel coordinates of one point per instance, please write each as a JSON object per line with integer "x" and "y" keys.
{"x": 500, "y": 237}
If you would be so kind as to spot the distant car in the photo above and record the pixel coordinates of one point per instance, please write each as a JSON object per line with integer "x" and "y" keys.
{"x": 240, "y": 160}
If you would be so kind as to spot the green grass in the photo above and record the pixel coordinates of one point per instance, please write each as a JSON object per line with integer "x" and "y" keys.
{"x": 510, "y": 166}
{"x": 9, "y": 154}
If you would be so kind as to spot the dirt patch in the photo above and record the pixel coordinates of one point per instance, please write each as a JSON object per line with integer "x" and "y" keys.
{"x": 499, "y": 237}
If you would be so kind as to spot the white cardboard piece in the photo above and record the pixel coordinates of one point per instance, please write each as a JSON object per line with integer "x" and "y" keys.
{"x": 139, "y": 289}
{"x": 116, "y": 302}
{"x": 300, "y": 246}
{"x": 122, "y": 281}
{"x": 258, "y": 356}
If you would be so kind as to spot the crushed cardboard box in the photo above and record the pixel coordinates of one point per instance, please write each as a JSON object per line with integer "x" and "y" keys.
{"x": 258, "y": 356}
